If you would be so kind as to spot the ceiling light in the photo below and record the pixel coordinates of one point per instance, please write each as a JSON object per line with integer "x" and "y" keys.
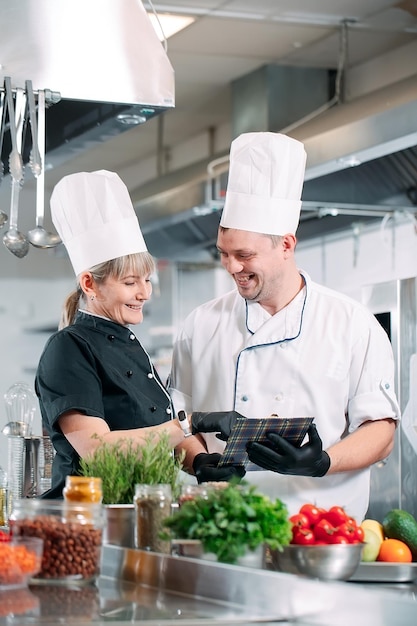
{"x": 169, "y": 23}
{"x": 130, "y": 119}
{"x": 326, "y": 211}
{"x": 350, "y": 161}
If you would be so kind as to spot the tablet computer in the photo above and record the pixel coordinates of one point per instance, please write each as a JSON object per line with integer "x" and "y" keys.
{"x": 293, "y": 429}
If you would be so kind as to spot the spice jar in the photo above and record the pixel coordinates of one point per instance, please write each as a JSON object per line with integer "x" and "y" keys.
{"x": 152, "y": 506}
{"x": 189, "y": 492}
{"x": 83, "y": 489}
{"x": 72, "y": 534}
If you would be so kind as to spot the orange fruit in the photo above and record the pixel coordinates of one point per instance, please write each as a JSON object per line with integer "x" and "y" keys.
{"x": 394, "y": 551}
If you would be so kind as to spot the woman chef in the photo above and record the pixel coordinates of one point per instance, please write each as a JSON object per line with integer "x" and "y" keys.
{"x": 94, "y": 377}
{"x": 281, "y": 344}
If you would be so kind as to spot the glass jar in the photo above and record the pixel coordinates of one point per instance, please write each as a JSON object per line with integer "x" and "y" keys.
{"x": 72, "y": 535}
{"x": 152, "y": 505}
{"x": 189, "y": 492}
{"x": 83, "y": 489}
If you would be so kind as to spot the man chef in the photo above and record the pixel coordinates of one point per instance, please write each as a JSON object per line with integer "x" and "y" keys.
{"x": 281, "y": 344}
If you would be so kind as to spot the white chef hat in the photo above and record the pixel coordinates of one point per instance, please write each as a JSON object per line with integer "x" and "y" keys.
{"x": 95, "y": 218}
{"x": 265, "y": 183}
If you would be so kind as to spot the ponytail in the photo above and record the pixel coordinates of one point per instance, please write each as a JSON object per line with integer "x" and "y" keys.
{"x": 70, "y": 308}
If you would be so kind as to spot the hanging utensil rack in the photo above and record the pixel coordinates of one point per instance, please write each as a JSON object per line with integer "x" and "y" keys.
{"x": 9, "y": 163}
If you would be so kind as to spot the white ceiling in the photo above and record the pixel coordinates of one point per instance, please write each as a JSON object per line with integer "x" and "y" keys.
{"x": 228, "y": 40}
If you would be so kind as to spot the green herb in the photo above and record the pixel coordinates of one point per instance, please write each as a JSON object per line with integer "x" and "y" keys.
{"x": 232, "y": 520}
{"x": 123, "y": 464}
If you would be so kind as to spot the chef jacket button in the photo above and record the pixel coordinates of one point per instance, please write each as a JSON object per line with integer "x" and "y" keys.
{"x": 153, "y": 409}
{"x": 129, "y": 373}
{"x": 244, "y": 398}
{"x": 150, "y": 375}
{"x": 283, "y": 345}
{"x": 168, "y": 410}
{"x": 132, "y": 337}
{"x": 387, "y": 385}
{"x": 279, "y": 396}
{"x": 111, "y": 337}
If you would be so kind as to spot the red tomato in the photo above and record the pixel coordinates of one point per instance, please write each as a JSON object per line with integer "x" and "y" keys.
{"x": 322, "y": 512}
{"x": 338, "y": 539}
{"x": 359, "y": 534}
{"x": 324, "y": 531}
{"x": 312, "y": 512}
{"x": 348, "y": 531}
{"x": 302, "y": 536}
{"x": 299, "y": 519}
{"x": 336, "y": 515}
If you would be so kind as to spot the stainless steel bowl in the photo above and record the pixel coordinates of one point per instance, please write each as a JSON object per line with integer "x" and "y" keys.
{"x": 329, "y": 562}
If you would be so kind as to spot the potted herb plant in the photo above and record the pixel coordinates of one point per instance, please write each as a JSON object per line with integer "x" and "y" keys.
{"x": 123, "y": 464}
{"x": 232, "y": 521}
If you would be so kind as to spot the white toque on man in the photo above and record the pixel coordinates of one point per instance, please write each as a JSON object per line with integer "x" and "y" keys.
{"x": 95, "y": 218}
{"x": 265, "y": 184}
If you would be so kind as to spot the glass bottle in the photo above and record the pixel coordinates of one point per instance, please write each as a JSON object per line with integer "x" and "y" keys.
{"x": 4, "y": 499}
{"x": 83, "y": 489}
{"x": 152, "y": 505}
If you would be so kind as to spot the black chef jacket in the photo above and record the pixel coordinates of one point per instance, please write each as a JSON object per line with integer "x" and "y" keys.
{"x": 99, "y": 368}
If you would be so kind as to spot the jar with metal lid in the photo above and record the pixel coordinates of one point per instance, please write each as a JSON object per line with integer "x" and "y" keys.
{"x": 83, "y": 489}
{"x": 152, "y": 505}
{"x": 72, "y": 534}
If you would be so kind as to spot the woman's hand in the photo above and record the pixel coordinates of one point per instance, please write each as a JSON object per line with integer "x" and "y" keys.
{"x": 220, "y": 422}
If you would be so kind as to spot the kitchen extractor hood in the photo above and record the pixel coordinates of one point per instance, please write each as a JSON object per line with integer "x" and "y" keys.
{"x": 100, "y": 61}
{"x": 94, "y": 50}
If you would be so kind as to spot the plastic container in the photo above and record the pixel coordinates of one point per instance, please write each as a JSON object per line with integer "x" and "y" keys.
{"x": 152, "y": 506}
{"x": 72, "y": 535}
{"x": 83, "y": 489}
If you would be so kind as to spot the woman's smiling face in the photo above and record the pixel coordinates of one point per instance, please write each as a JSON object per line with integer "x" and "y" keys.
{"x": 122, "y": 299}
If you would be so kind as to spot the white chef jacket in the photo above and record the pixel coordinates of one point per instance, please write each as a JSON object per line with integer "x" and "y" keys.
{"x": 323, "y": 355}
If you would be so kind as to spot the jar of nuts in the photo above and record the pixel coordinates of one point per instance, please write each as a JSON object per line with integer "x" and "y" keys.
{"x": 72, "y": 535}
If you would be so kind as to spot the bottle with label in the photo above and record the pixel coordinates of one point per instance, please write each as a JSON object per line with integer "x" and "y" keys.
{"x": 84, "y": 489}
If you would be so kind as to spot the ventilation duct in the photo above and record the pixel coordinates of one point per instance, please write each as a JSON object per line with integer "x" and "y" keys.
{"x": 376, "y": 133}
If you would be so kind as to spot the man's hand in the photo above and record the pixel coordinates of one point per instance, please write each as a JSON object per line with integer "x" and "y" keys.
{"x": 284, "y": 458}
{"x": 206, "y": 470}
{"x": 220, "y": 422}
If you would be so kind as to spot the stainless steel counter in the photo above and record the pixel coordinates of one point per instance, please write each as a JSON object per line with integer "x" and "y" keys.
{"x": 138, "y": 587}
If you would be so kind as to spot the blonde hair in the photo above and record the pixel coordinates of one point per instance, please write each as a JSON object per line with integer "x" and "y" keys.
{"x": 140, "y": 264}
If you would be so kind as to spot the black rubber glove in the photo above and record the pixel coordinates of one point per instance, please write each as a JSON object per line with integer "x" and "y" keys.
{"x": 284, "y": 458}
{"x": 206, "y": 470}
{"x": 220, "y": 422}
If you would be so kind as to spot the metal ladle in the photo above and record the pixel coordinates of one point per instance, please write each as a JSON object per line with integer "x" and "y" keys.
{"x": 39, "y": 236}
{"x": 14, "y": 240}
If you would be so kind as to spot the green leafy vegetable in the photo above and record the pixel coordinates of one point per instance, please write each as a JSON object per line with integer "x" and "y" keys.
{"x": 231, "y": 520}
{"x": 123, "y": 464}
